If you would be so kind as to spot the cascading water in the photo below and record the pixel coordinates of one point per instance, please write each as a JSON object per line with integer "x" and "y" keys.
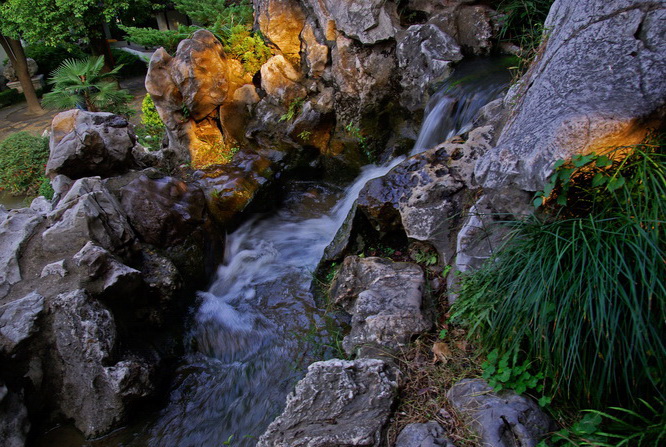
{"x": 258, "y": 326}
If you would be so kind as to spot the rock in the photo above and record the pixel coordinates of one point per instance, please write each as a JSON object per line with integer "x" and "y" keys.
{"x": 55, "y": 268}
{"x": 163, "y": 211}
{"x": 16, "y": 227}
{"x": 337, "y": 403}
{"x": 367, "y": 21}
{"x": 281, "y": 80}
{"x": 89, "y": 212}
{"x": 108, "y": 276}
{"x": 574, "y": 101}
{"x": 425, "y": 55}
{"x": 384, "y": 299}
{"x": 10, "y": 73}
{"x": 424, "y": 195}
{"x": 85, "y": 144}
{"x": 189, "y": 89}
{"x": 502, "y": 419}
{"x": 430, "y": 434}
{"x": 95, "y": 396}
{"x": 364, "y": 76}
{"x": 281, "y": 21}
{"x": 316, "y": 53}
{"x": 14, "y": 416}
{"x": 18, "y": 321}
{"x": 41, "y": 205}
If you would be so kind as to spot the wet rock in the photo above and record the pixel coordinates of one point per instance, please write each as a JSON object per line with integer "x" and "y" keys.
{"x": 574, "y": 101}
{"x": 95, "y": 396}
{"x": 367, "y": 21}
{"x": 430, "y": 434}
{"x": 424, "y": 195}
{"x": 502, "y": 419}
{"x": 337, "y": 403}
{"x": 86, "y": 144}
{"x": 281, "y": 21}
{"x": 18, "y": 321}
{"x": 425, "y": 54}
{"x": 16, "y": 227}
{"x": 14, "y": 416}
{"x": 163, "y": 211}
{"x": 10, "y": 74}
{"x": 89, "y": 212}
{"x": 384, "y": 299}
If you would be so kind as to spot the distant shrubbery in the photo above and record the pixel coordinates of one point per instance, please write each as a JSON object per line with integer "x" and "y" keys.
{"x": 151, "y": 130}
{"x": 23, "y": 160}
{"x": 48, "y": 57}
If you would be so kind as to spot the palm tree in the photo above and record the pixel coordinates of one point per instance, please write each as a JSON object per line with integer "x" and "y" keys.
{"x": 81, "y": 84}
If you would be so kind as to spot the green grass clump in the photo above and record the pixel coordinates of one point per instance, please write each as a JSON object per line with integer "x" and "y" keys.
{"x": 247, "y": 47}
{"x": 23, "y": 158}
{"x": 580, "y": 290}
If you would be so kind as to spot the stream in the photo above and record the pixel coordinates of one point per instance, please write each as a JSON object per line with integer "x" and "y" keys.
{"x": 257, "y": 327}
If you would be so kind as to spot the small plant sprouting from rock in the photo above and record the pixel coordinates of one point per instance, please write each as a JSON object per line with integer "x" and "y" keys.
{"x": 293, "y": 110}
{"x": 305, "y": 135}
{"x": 151, "y": 130}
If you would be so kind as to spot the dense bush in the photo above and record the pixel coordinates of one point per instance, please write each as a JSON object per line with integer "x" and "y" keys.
{"x": 580, "y": 290}
{"x": 220, "y": 14}
{"x": 23, "y": 158}
{"x": 9, "y": 97}
{"x": 48, "y": 57}
{"x": 249, "y": 49}
{"x": 151, "y": 130}
{"x": 150, "y": 37}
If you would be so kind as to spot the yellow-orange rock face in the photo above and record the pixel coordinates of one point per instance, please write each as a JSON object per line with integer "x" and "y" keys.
{"x": 281, "y": 21}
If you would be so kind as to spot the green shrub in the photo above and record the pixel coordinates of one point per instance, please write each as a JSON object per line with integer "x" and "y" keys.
{"x": 48, "y": 57}
{"x": 151, "y": 37}
{"x": 581, "y": 289}
{"x": 45, "y": 188}
{"x": 9, "y": 97}
{"x": 22, "y": 161}
{"x": 151, "y": 130}
{"x": 249, "y": 49}
{"x": 219, "y": 14}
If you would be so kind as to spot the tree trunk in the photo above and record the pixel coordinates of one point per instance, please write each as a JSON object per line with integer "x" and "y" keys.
{"x": 16, "y": 55}
{"x": 99, "y": 46}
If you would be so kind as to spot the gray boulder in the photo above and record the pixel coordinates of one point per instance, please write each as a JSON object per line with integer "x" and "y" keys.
{"x": 88, "y": 212}
{"x": 18, "y": 321}
{"x": 574, "y": 101}
{"x": 425, "y": 54}
{"x": 92, "y": 394}
{"x": 10, "y": 73}
{"x": 367, "y": 21}
{"x": 503, "y": 419}
{"x": 384, "y": 299}
{"x": 338, "y": 403}
{"x": 430, "y": 434}
{"x": 107, "y": 276}
{"x": 86, "y": 144}
{"x": 16, "y": 227}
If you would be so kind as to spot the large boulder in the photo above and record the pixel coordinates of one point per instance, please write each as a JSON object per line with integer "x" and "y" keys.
{"x": 281, "y": 81}
{"x": 10, "y": 73}
{"x": 367, "y": 21}
{"x": 189, "y": 89}
{"x": 385, "y": 300}
{"x": 88, "y": 212}
{"x": 338, "y": 402}
{"x": 503, "y": 419}
{"x": 85, "y": 143}
{"x": 574, "y": 101}
{"x": 92, "y": 388}
{"x": 281, "y": 22}
{"x": 425, "y": 54}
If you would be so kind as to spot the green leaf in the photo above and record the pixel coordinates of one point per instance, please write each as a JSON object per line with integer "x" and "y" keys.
{"x": 558, "y": 164}
{"x": 603, "y": 161}
{"x": 537, "y": 202}
{"x": 562, "y": 200}
{"x": 599, "y": 179}
{"x": 442, "y": 334}
{"x": 616, "y": 183}
{"x": 581, "y": 161}
{"x": 545, "y": 400}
